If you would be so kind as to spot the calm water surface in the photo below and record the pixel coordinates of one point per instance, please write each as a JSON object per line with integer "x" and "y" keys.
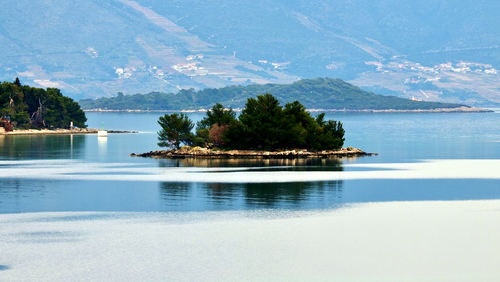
{"x": 397, "y": 138}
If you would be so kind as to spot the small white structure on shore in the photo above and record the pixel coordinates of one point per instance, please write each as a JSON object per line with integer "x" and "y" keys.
{"x": 102, "y": 133}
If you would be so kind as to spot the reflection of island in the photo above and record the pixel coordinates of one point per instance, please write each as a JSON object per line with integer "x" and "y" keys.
{"x": 41, "y": 147}
{"x": 301, "y": 195}
{"x": 295, "y": 164}
{"x": 202, "y": 196}
{"x": 282, "y": 195}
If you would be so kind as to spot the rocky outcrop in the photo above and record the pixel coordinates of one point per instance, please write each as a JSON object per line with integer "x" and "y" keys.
{"x": 199, "y": 152}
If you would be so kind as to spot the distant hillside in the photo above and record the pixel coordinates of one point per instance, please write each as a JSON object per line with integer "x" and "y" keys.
{"x": 447, "y": 50}
{"x": 320, "y": 93}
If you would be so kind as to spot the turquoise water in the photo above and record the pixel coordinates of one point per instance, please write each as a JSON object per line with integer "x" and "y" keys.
{"x": 87, "y": 173}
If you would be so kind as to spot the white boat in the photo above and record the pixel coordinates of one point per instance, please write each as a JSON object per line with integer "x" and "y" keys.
{"x": 102, "y": 133}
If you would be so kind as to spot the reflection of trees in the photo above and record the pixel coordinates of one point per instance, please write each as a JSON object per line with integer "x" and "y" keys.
{"x": 17, "y": 195}
{"x": 295, "y": 195}
{"x": 296, "y": 164}
{"x": 258, "y": 195}
{"x": 283, "y": 195}
{"x": 169, "y": 163}
{"x": 222, "y": 191}
{"x": 40, "y": 146}
{"x": 178, "y": 191}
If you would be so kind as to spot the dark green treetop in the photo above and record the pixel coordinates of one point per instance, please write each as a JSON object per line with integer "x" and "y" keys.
{"x": 17, "y": 82}
{"x": 262, "y": 123}
{"x": 175, "y": 129}
{"x": 217, "y": 115}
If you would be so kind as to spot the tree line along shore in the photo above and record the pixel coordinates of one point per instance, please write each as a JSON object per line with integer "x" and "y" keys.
{"x": 23, "y": 108}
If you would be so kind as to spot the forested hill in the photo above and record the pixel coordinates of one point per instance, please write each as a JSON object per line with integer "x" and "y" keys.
{"x": 320, "y": 93}
{"x": 30, "y": 107}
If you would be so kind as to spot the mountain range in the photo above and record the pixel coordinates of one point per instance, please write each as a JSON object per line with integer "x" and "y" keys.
{"x": 444, "y": 50}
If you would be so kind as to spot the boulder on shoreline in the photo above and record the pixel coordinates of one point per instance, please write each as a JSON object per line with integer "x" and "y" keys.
{"x": 199, "y": 152}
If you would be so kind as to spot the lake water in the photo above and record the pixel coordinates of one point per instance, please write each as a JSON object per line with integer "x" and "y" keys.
{"x": 87, "y": 173}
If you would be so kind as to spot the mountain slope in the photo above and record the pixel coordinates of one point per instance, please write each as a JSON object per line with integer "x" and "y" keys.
{"x": 435, "y": 50}
{"x": 95, "y": 48}
{"x": 321, "y": 93}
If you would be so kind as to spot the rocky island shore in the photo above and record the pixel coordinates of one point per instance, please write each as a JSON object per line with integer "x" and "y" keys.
{"x": 205, "y": 153}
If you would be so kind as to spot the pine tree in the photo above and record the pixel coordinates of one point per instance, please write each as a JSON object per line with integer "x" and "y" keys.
{"x": 17, "y": 82}
{"x": 176, "y": 129}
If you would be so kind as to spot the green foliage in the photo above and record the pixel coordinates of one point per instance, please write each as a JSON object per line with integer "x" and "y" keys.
{"x": 262, "y": 120}
{"x": 202, "y": 137}
{"x": 20, "y": 102}
{"x": 21, "y": 119}
{"x": 263, "y": 124}
{"x": 326, "y": 134}
{"x": 320, "y": 93}
{"x": 176, "y": 129}
{"x": 217, "y": 115}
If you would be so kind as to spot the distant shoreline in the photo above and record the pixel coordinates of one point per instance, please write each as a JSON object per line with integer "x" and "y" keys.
{"x": 59, "y": 131}
{"x": 438, "y": 110}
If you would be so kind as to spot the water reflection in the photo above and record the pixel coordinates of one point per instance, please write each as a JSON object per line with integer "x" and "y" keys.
{"x": 175, "y": 192}
{"x": 253, "y": 195}
{"x": 41, "y": 147}
{"x": 13, "y": 192}
{"x": 306, "y": 164}
{"x": 102, "y": 145}
{"x": 293, "y": 194}
{"x": 297, "y": 195}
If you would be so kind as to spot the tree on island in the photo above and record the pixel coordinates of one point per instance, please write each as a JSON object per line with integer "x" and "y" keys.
{"x": 263, "y": 124}
{"x": 176, "y": 129}
{"x": 212, "y": 128}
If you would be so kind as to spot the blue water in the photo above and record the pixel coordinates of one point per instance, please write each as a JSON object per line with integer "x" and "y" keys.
{"x": 396, "y": 137}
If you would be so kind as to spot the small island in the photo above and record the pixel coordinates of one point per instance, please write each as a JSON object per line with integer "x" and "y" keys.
{"x": 264, "y": 129}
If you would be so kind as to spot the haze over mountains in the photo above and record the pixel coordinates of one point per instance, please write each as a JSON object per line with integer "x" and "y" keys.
{"x": 433, "y": 50}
